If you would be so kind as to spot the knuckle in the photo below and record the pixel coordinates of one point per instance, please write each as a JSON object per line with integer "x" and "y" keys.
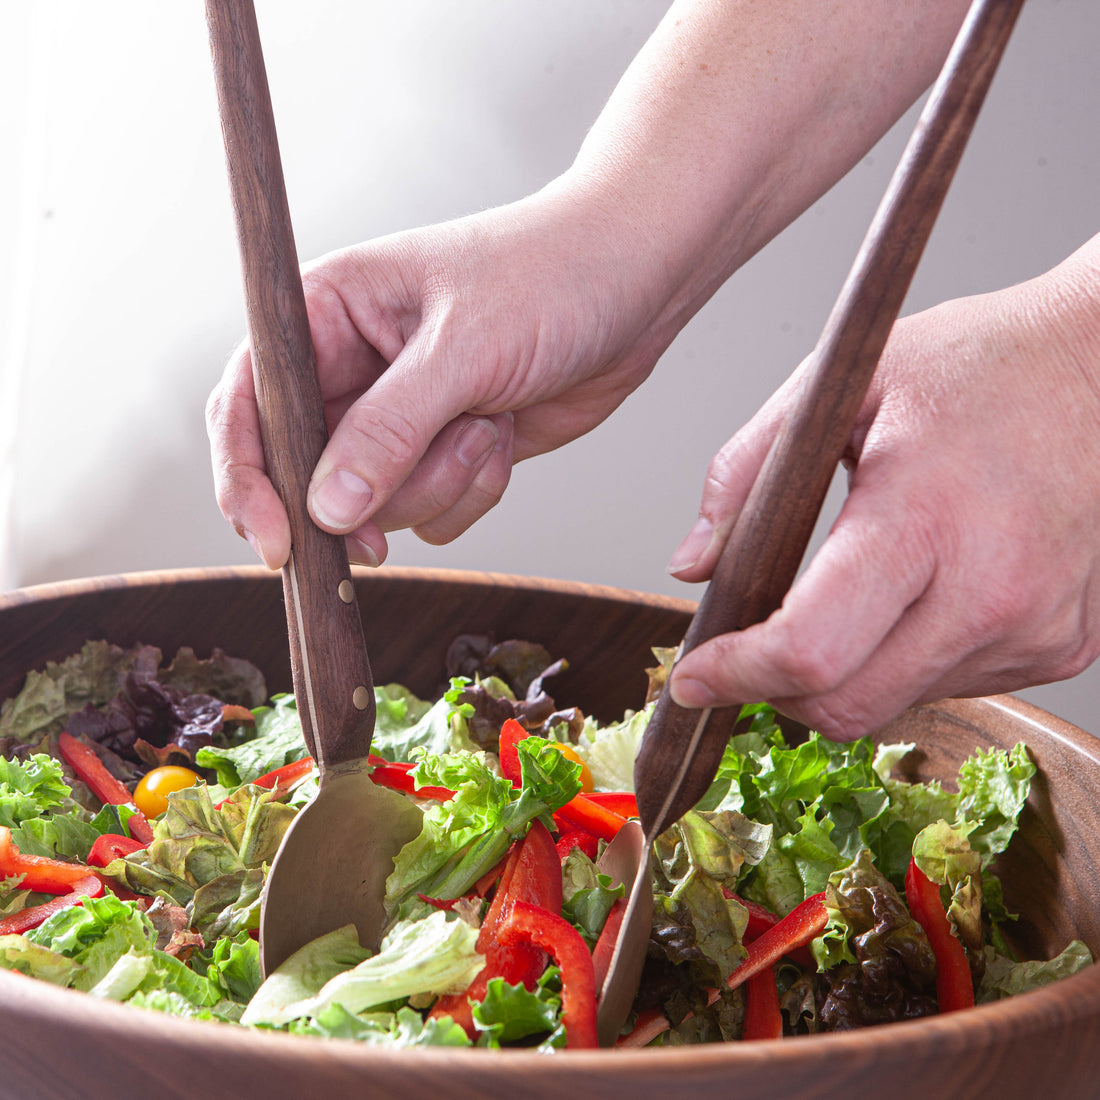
{"x": 834, "y": 718}
{"x": 483, "y": 494}
{"x": 389, "y": 437}
{"x": 722, "y": 481}
{"x": 808, "y": 667}
{"x": 215, "y": 410}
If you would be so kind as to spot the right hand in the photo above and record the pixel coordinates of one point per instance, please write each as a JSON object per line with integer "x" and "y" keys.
{"x": 966, "y": 558}
{"x": 444, "y": 355}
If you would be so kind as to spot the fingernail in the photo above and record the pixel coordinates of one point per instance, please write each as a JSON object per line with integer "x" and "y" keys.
{"x": 257, "y": 546}
{"x": 475, "y": 441}
{"x": 341, "y": 500}
{"x": 693, "y": 547}
{"x": 362, "y": 554}
{"x": 693, "y": 694}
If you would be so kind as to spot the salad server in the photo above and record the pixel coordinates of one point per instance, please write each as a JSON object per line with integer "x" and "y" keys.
{"x": 681, "y": 749}
{"x": 332, "y": 866}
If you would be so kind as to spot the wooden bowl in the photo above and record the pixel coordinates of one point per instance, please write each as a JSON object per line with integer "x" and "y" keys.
{"x": 59, "y": 1043}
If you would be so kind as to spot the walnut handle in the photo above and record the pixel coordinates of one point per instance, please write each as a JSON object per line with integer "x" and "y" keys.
{"x": 332, "y": 677}
{"x": 681, "y": 749}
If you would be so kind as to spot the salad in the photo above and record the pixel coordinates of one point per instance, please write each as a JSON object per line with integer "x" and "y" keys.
{"x": 142, "y": 800}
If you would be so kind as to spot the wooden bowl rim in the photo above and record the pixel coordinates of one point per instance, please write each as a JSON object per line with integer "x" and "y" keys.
{"x": 66, "y": 589}
{"x": 1016, "y": 1018}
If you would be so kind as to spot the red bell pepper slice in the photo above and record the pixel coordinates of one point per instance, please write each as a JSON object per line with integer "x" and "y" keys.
{"x": 490, "y": 878}
{"x": 26, "y": 919}
{"x": 763, "y": 1016}
{"x": 106, "y": 787}
{"x": 576, "y": 838}
{"x": 511, "y": 733}
{"x": 954, "y": 983}
{"x": 532, "y": 874}
{"x": 43, "y": 875}
{"x": 112, "y": 846}
{"x": 760, "y": 920}
{"x": 446, "y": 904}
{"x": 535, "y": 880}
{"x": 398, "y": 777}
{"x": 605, "y": 944}
{"x": 623, "y": 803}
{"x": 801, "y": 925}
{"x": 556, "y": 936}
{"x": 280, "y": 779}
{"x": 582, "y": 813}
{"x": 537, "y": 877}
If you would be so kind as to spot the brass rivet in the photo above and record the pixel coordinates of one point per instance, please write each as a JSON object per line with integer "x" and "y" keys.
{"x": 361, "y": 697}
{"x": 346, "y": 591}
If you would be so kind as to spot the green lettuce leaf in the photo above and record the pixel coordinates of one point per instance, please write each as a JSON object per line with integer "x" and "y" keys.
{"x": 232, "y": 965}
{"x": 211, "y": 858}
{"x": 277, "y": 741}
{"x": 993, "y": 787}
{"x": 95, "y": 934}
{"x": 302, "y": 976}
{"x": 59, "y": 836}
{"x": 176, "y": 1004}
{"x": 464, "y": 838}
{"x": 49, "y": 696}
{"x": 37, "y": 961}
{"x": 1004, "y": 977}
{"x": 431, "y": 956}
{"x": 587, "y": 895}
{"x": 31, "y": 788}
{"x": 152, "y": 972}
{"x": 609, "y": 750}
{"x": 403, "y": 1028}
{"x": 511, "y": 1012}
{"x": 696, "y": 860}
{"x": 944, "y": 854}
{"x": 408, "y": 726}
{"x": 36, "y": 804}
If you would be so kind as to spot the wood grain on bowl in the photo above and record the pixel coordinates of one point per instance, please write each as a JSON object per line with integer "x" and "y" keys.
{"x": 58, "y": 1044}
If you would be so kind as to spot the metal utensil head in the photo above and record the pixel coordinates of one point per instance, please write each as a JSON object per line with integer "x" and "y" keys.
{"x": 626, "y": 861}
{"x": 332, "y": 865}
{"x": 681, "y": 749}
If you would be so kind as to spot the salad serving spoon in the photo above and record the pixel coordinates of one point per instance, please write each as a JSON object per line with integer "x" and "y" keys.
{"x": 332, "y": 865}
{"x": 681, "y": 749}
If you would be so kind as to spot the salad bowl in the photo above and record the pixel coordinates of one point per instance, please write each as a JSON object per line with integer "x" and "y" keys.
{"x": 59, "y": 1043}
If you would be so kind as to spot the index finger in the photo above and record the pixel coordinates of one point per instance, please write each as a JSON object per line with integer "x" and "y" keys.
{"x": 244, "y": 493}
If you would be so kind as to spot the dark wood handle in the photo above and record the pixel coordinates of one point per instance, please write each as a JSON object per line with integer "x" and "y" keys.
{"x": 332, "y": 677}
{"x": 681, "y": 750}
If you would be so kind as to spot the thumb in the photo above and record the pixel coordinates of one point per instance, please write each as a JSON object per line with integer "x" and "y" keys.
{"x": 382, "y": 437}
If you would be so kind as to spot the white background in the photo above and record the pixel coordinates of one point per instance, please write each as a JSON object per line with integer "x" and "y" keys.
{"x": 119, "y": 292}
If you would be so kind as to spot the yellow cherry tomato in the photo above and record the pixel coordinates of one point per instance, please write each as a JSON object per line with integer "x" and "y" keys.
{"x": 571, "y": 753}
{"x": 151, "y": 793}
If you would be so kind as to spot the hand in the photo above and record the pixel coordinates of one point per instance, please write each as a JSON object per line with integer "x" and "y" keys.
{"x": 444, "y": 355}
{"x": 447, "y": 353}
{"x": 966, "y": 558}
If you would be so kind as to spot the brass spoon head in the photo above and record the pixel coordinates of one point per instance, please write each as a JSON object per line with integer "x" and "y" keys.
{"x": 332, "y": 865}
{"x": 626, "y": 861}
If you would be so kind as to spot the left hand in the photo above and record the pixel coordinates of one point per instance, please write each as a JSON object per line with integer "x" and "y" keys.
{"x": 966, "y": 558}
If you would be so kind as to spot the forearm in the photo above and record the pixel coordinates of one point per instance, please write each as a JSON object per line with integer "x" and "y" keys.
{"x": 736, "y": 116}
